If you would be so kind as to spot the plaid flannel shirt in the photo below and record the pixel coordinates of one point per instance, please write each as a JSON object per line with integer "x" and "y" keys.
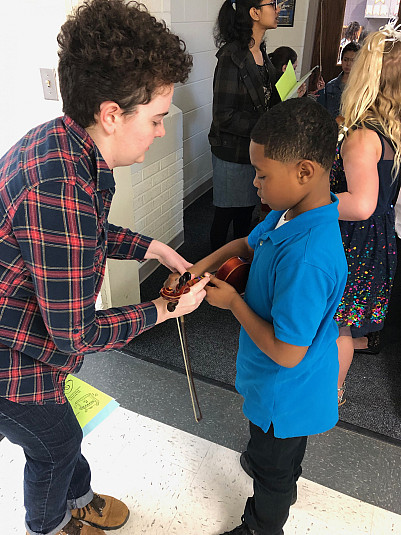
{"x": 55, "y": 196}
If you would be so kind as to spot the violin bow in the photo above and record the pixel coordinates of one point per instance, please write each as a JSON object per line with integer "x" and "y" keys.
{"x": 184, "y": 348}
{"x": 192, "y": 390}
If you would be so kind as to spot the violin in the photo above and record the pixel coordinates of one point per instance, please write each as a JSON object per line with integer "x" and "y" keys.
{"x": 234, "y": 271}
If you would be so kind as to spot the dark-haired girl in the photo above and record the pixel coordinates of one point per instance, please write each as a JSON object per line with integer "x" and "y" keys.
{"x": 280, "y": 58}
{"x": 243, "y": 88}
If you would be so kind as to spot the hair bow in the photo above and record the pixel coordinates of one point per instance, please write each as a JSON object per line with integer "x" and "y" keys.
{"x": 391, "y": 31}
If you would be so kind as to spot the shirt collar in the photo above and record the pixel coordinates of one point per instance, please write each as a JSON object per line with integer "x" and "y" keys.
{"x": 339, "y": 79}
{"x": 301, "y": 223}
{"x": 103, "y": 177}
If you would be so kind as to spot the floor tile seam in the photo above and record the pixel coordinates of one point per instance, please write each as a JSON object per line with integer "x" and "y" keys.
{"x": 181, "y": 498}
{"x": 164, "y": 455}
{"x": 372, "y": 525}
{"x": 343, "y": 496}
{"x": 193, "y": 472}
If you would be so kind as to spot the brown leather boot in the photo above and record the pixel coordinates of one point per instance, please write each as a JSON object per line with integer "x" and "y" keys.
{"x": 75, "y": 527}
{"x": 103, "y": 512}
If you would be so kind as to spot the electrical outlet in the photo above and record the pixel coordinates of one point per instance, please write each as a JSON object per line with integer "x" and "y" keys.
{"x": 49, "y": 85}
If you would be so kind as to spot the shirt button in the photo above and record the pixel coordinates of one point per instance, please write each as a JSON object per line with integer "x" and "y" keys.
{"x": 261, "y": 243}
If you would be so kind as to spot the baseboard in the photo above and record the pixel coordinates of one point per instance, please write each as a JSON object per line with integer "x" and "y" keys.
{"x": 198, "y": 192}
{"x": 368, "y": 433}
{"x": 150, "y": 266}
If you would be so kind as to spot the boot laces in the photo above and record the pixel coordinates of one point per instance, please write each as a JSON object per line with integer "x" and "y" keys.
{"x": 72, "y": 528}
{"x": 97, "y": 504}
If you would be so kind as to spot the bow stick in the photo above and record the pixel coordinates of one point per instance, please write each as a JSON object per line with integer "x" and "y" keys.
{"x": 172, "y": 297}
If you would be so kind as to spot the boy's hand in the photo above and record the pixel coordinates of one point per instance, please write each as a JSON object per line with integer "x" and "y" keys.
{"x": 220, "y": 295}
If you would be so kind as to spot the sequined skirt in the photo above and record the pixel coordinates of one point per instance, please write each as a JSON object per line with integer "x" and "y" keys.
{"x": 371, "y": 251}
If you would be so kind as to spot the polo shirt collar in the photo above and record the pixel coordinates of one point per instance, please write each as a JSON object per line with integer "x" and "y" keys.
{"x": 103, "y": 178}
{"x": 303, "y": 222}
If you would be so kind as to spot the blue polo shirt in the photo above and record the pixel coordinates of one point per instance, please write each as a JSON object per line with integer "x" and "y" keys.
{"x": 296, "y": 282}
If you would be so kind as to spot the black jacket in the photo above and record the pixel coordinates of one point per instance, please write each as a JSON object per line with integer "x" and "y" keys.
{"x": 238, "y": 101}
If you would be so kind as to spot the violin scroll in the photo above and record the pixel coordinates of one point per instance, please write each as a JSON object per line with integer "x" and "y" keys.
{"x": 172, "y": 295}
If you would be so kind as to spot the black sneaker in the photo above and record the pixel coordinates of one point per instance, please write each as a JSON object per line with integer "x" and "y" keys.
{"x": 244, "y": 462}
{"x": 243, "y": 529}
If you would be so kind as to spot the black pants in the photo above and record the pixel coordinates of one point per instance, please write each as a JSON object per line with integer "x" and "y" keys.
{"x": 241, "y": 218}
{"x": 276, "y": 464}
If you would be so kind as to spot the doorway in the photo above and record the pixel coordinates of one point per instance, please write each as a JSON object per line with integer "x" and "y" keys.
{"x": 342, "y": 21}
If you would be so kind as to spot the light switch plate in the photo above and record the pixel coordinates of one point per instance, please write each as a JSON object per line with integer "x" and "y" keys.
{"x": 49, "y": 84}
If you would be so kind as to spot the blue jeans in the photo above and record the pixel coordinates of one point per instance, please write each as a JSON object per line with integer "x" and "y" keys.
{"x": 57, "y": 476}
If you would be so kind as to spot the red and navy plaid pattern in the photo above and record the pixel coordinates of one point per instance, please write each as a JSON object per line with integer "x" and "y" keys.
{"x": 55, "y": 196}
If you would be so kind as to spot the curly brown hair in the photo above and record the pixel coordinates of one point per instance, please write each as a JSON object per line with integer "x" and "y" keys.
{"x": 112, "y": 50}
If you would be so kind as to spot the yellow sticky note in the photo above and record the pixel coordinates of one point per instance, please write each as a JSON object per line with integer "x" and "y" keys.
{"x": 287, "y": 82}
{"x": 90, "y": 405}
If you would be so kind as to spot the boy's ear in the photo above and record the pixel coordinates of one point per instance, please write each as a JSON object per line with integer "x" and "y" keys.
{"x": 306, "y": 171}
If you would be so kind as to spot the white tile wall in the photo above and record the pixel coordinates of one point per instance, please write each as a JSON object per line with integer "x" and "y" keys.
{"x": 193, "y": 21}
{"x": 180, "y": 163}
{"x": 160, "y": 9}
{"x": 157, "y": 184}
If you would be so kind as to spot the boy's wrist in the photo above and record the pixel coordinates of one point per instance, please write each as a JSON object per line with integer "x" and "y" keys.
{"x": 236, "y": 302}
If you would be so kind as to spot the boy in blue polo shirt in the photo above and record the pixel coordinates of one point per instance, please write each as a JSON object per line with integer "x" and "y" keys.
{"x": 287, "y": 363}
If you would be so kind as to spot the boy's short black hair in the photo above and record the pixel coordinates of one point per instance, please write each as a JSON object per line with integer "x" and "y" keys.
{"x": 112, "y": 50}
{"x": 350, "y": 47}
{"x": 298, "y": 129}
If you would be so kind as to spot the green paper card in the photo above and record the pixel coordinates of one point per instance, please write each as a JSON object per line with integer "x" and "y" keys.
{"x": 287, "y": 86}
{"x": 287, "y": 82}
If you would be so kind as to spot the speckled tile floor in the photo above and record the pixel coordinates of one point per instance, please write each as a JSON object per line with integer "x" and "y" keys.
{"x": 177, "y": 483}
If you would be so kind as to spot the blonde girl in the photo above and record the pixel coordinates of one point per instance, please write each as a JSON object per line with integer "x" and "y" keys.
{"x": 365, "y": 177}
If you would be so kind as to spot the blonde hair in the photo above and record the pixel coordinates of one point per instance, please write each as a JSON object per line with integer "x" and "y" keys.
{"x": 373, "y": 93}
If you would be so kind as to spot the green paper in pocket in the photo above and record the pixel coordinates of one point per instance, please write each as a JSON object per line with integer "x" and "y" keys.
{"x": 90, "y": 405}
